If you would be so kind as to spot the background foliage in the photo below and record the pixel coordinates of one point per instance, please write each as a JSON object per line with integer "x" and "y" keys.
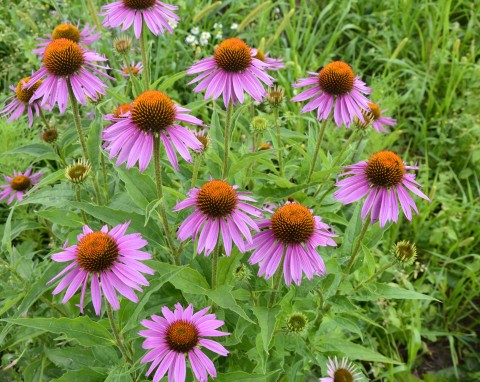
{"x": 421, "y": 323}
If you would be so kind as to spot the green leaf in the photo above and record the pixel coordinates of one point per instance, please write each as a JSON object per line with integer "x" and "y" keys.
{"x": 188, "y": 280}
{"x": 62, "y": 217}
{"x": 94, "y": 141}
{"x": 86, "y": 374}
{"x": 7, "y": 233}
{"x": 48, "y": 179}
{"x": 266, "y": 320}
{"x": 351, "y": 232}
{"x": 246, "y": 160}
{"x": 246, "y": 377}
{"x": 223, "y": 298}
{"x": 33, "y": 293}
{"x": 353, "y": 351}
{"x": 82, "y": 329}
{"x": 151, "y": 232}
{"x": 72, "y": 358}
{"x": 376, "y": 290}
{"x": 169, "y": 81}
{"x": 140, "y": 187}
{"x": 119, "y": 373}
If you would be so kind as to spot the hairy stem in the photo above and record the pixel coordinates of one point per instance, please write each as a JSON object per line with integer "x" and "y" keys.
{"x": 216, "y": 254}
{"x": 161, "y": 205}
{"x": 279, "y": 142}
{"x": 374, "y": 276}
{"x": 116, "y": 335}
{"x": 228, "y": 122}
{"x": 196, "y": 166}
{"x": 79, "y": 199}
{"x": 143, "y": 49}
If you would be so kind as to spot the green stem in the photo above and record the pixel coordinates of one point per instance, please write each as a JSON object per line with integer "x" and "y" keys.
{"x": 279, "y": 141}
{"x": 76, "y": 117}
{"x": 344, "y": 148}
{"x": 276, "y": 283}
{"x": 92, "y": 9}
{"x": 320, "y": 200}
{"x": 355, "y": 151}
{"x": 228, "y": 122}
{"x": 79, "y": 199}
{"x": 374, "y": 276}
{"x": 131, "y": 75}
{"x": 252, "y": 109}
{"x": 196, "y": 166}
{"x": 42, "y": 116}
{"x": 356, "y": 249}
{"x": 116, "y": 335}
{"x": 105, "y": 185}
{"x": 161, "y": 205}
{"x": 78, "y": 125}
{"x": 143, "y": 49}
{"x": 216, "y": 254}
{"x": 317, "y": 149}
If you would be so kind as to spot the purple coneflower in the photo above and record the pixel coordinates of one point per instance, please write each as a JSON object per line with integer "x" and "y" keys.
{"x": 232, "y": 70}
{"x": 374, "y": 117}
{"x": 384, "y": 180}
{"x": 342, "y": 372}
{"x": 110, "y": 259}
{"x": 136, "y": 69}
{"x": 179, "y": 334}
{"x": 272, "y": 63}
{"x": 219, "y": 210}
{"x": 21, "y": 101}
{"x": 336, "y": 83}
{"x": 156, "y": 14}
{"x": 18, "y": 186}
{"x": 86, "y": 36}
{"x": 153, "y": 112}
{"x": 295, "y": 231}
{"x": 65, "y": 61}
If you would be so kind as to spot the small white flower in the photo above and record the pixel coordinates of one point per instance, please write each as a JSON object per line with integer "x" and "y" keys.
{"x": 219, "y": 35}
{"x": 234, "y": 26}
{"x": 173, "y": 23}
{"x": 190, "y": 39}
{"x": 205, "y": 36}
{"x": 203, "y": 42}
{"x": 195, "y": 30}
{"x": 217, "y": 26}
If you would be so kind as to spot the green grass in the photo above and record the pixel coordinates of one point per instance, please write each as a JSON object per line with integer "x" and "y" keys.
{"x": 421, "y": 59}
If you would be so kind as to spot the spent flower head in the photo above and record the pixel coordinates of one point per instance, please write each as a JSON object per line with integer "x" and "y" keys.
{"x": 49, "y": 135}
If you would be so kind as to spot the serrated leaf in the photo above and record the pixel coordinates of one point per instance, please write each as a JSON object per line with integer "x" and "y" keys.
{"x": 82, "y": 329}
{"x": 266, "y": 320}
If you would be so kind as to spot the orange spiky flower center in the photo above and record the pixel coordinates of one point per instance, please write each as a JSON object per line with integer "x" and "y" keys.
{"x": 233, "y": 55}
{"x": 24, "y": 95}
{"x": 63, "y": 57}
{"x": 375, "y": 111}
{"x": 217, "y": 198}
{"x": 336, "y": 78}
{"x": 342, "y": 375}
{"x": 122, "y": 109}
{"x": 96, "y": 252}
{"x": 67, "y": 31}
{"x": 21, "y": 183}
{"x": 153, "y": 111}
{"x": 385, "y": 169}
{"x": 139, "y": 4}
{"x": 292, "y": 224}
{"x": 182, "y": 336}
